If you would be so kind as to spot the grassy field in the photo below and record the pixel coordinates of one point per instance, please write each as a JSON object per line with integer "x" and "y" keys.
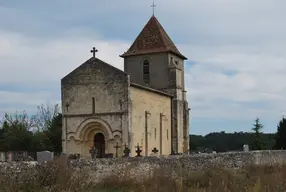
{"x": 57, "y": 176}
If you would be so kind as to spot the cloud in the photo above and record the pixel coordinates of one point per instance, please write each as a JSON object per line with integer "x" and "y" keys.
{"x": 31, "y": 68}
{"x": 42, "y": 61}
{"x": 236, "y": 50}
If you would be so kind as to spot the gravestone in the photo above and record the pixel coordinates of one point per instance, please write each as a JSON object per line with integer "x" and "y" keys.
{"x": 138, "y": 151}
{"x": 64, "y": 157}
{"x": 20, "y": 155}
{"x": 74, "y": 156}
{"x": 9, "y": 156}
{"x": 71, "y": 156}
{"x": 108, "y": 155}
{"x": 154, "y": 152}
{"x": 93, "y": 152}
{"x": 126, "y": 152}
{"x": 2, "y": 156}
{"x": 245, "y": 148}
{"x": 29, "y": 158}
{"x": 44, "y": 156}
{"x": 116, "y": 147}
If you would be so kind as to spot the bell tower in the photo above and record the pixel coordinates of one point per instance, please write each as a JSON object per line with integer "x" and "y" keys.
{"x": 153, "y": 60}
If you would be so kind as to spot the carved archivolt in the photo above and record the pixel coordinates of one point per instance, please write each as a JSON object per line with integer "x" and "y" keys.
{"x": 91, "y": 126}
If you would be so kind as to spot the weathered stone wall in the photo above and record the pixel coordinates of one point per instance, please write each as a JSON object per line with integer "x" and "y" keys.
{"x": 144, "y": 166}
{"x": 158, "y": 127}
{"x": 99, "y": 91}
{"x": 159, "y": 76}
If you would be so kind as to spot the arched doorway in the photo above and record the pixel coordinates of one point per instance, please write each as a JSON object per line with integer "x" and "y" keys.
{"x": 99, "y": 144}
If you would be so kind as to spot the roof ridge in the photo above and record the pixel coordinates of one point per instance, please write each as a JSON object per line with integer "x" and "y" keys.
{"x": 93, "y": 60}
{"x": 161, "y": 30}
{"x": 164, "y": 32}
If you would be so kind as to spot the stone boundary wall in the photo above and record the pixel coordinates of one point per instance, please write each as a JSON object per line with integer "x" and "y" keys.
{"x": 144, "y": 166}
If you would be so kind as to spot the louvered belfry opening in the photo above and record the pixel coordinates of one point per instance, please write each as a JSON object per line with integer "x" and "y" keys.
{"x": 146, "y": 71}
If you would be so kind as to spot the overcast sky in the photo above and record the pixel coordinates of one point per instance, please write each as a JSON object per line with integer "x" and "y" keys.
{"x": 236, "y": 53}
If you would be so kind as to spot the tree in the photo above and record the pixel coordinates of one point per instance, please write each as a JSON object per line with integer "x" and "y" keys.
{"x": 32, "y": 133}
{"x": 17, "y": 131}
{"x": 257, "y": 143}
{"x": 16, "y": 137}
{"x": 18, "y": 119}
{"x": 1, "y": 139}
{"x": 45, "y": 115}
{"x": 280, "y": 136}
{"x": 192, "y": 145}
{"x": 222, "y": 142}
{"x": 49, "y": 127}
{"x": 53, "y": 134}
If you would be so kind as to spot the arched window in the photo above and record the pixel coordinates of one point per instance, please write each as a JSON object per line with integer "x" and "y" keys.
{"x": 146, "y": 71}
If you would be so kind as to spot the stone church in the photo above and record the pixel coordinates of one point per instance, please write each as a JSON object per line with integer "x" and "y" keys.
{"x": 145, "y": 105}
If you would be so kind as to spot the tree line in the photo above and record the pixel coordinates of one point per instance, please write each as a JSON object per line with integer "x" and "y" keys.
{"x": 24, "y": 132}
{"x": 256, "y": 139}
{"x": 43, "y": 131}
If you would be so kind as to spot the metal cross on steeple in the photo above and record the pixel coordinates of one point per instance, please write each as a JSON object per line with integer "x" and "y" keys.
{"x": 153, "y": 6}
{"x": 93, "y": 51}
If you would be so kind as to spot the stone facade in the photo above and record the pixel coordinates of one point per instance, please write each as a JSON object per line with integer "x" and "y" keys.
{"x": 150, "y": 120}
{"x": 166, "y": 73}
{"x": 97, "y": 98}
{"x": 145, "y": 104}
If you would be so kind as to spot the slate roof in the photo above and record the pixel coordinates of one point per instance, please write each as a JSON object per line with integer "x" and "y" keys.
{"x": 152, "y": 39}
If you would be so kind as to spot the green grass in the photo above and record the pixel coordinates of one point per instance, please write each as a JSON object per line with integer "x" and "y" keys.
{"x": 56, "y": 176}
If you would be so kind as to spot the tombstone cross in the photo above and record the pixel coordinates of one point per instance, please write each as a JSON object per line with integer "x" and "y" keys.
{"x": 67, "y": 106}
{"x": 117, "y": 147}
{"x": 155, "y": 150}
{"x": 93, "y": 152}
{"x": 126, "y": 151}
{"x": 93, "y": 51}
{"x": 138, "y": 151}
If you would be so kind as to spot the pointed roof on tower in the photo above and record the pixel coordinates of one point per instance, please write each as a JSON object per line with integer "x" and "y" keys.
{"x": 152, "y": 39}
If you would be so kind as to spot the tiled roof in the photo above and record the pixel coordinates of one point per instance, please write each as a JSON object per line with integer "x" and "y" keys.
{"x": 152, "y": 39}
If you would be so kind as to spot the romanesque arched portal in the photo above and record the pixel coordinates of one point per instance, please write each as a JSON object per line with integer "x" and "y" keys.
{"x": 99, "y": 144}
{"x": 92, "y": 132}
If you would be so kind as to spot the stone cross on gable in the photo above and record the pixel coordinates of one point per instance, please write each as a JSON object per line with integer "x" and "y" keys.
{"x": 93, "y": 51}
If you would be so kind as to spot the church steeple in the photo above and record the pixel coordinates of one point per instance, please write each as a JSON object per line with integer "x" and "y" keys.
{"x": 152, "y": 39}
{"x": 153, "y": 60}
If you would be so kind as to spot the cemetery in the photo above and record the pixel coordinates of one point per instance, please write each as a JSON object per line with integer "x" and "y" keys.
{"x": 131, "y": 123}
{"x": 102, "y": 167}
{"x": 98, "y": 171}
